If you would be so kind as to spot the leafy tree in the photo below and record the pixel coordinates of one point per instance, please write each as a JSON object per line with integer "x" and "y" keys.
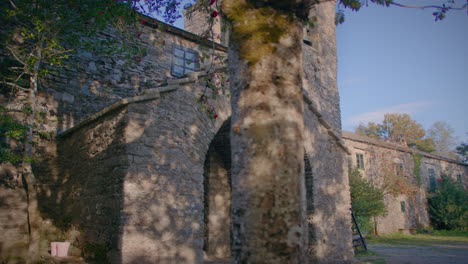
{"x": 37, "y": 38}
{"x": 441, "y": 134}
{"x": 462, "y": 151}
{"x": 448, "y": 208}
{"x": 366, "y": 200}
{"x": 398, "y": 128}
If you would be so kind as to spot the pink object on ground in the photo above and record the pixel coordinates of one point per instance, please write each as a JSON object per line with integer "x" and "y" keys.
{"x": 53, "y": 249}
{"x": 59, "y": 249}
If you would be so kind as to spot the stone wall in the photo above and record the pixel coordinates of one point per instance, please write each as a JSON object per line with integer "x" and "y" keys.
{"x": 380, "y": 161}
{"x": 142, "y": 181}
{"x": 82, "y": 193}
{"x": 320, "y": 64}
{"x": 330, "y": 230}
{"x": 13, "y": 224}
{"x": 167, "y": 143}
{"x": 92, "y": 82}
{"x": 97, "y": 80}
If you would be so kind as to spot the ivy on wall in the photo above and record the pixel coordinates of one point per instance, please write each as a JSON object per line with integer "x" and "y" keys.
{"x": 417, "y": 167}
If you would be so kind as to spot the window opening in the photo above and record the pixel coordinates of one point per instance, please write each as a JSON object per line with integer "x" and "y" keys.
{"x": 432, "y": 180}
{"x": 399, "y": 169}
{"x": 360, "y": 161}
{"x": 403, "y": 206}
{"x": 184, "y": 61}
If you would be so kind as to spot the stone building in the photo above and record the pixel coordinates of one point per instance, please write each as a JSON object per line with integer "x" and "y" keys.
{"x": 382, "y": 163}
{"x": 139, "y": 173}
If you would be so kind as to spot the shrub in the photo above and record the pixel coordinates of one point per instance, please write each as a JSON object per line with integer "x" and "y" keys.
{"x": 366, "y": 200}
{"x": 448, "y": 208}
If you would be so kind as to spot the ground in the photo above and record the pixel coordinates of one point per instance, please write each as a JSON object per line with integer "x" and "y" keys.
{"x": 438, "y": 248}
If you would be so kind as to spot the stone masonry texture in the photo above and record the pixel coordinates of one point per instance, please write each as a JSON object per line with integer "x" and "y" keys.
{"x": 379, "y": 157}
{"x": 140, "y": 174}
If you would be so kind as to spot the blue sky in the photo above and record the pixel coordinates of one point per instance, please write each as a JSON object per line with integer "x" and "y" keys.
{"x": 400, "y": 60}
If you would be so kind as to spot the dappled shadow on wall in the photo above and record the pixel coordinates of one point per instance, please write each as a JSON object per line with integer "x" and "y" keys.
{"x": 129, "y": 187}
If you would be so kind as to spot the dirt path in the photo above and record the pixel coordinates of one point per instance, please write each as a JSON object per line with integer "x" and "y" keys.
{"x": 409, "y": 254}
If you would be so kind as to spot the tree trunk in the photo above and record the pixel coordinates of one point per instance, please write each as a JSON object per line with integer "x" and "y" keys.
{"x": 29, "y": 180}
{"x": 268, "y": 195}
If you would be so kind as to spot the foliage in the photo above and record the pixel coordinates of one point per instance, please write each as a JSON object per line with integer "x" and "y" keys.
{"x": 435, "y": 237}
{"x": 417, "y": 167}
{"x": 462, "y": 151}
{"x": 366, "y": 200}
{"x": 440, "y": 10}
{"x": 10, "y": 129}
{"x": 396, "y": 181}
{"x": 448, "y": 208}
{"x": 441, "y": 134}
{"x": 398, "y": 128}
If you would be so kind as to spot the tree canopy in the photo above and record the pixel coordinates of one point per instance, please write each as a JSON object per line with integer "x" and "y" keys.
{"x": 400, "y": 129}
{"x": 462, "y": 151}
{"x": 441, "y": 134}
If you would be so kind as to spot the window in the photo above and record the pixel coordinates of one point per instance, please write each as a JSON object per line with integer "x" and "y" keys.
{"x": 399, "y": 169}
{"x": 350, "y": 163}
{"x": 403, "y": 206}
{"x": 360, "y": 161}
{"x": 432, "y": 180}
{"x": 184, "y": 61}
{"x": 459, "y": 178}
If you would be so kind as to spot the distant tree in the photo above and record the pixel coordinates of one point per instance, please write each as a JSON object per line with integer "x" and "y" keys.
{"x": 462, "y": 151}
{"x": 366, "y": 200}
{"x": 398, "y": 128}
{"x": 448, "y": 208}
{"x": 441, "y": 134}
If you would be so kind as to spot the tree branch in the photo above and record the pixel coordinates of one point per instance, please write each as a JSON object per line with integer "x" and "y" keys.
{"x": 16, "y": 57}
{"x": 15, "y": 86}
{"x": 13, "y": 5}
{"x": 465, "y": 6}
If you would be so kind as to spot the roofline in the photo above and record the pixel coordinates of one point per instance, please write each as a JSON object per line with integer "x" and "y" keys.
{"x": 388, "y": 145}
{"x": 156, "y": 24}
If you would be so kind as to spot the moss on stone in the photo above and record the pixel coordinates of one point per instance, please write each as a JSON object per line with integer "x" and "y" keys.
{"x": 256, "y": 30}
{"x": 96, "y": 252}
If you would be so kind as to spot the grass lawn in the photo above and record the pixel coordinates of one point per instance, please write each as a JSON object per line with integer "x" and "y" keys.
{"x": 435, "y": 237}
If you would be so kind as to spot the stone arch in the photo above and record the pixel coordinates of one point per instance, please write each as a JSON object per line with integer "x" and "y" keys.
{"x": 217, "y": 195}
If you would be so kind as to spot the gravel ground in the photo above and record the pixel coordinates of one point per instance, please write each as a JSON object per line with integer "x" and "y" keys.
{"x": 434, "y": 254}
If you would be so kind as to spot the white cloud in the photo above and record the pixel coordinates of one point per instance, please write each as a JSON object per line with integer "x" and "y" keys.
{"x": 378, "y": 115}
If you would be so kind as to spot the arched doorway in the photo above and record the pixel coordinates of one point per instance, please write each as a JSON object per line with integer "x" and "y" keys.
{"x": 217, "y": 196}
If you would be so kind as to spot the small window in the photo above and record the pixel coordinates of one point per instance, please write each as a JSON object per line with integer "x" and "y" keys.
{"x": 360, "y": 161}
{"x": 432, "y": 180}
{"x": 399, "y": 169}
{"x": 350, "y": 163}
{"x": 184, "y": 61}
{"x": 403, "y": 206}
{"x": 459, "y": 178}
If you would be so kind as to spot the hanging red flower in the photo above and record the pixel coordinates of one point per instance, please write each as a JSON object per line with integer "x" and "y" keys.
{"x": 87, "y": 22}
{"x": 144, "y": 21}
{"x": 214, "y": 14}
{"x": 100, "y": 13}
{"x": 215, "y": 116}
{"x": 212, "y": 2}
